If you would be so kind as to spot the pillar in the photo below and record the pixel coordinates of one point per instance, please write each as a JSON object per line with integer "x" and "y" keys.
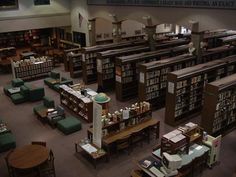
{"x": 151, "y": 32}
{"x": 196, "y": 39}
{"x": 92, "y": 31}
{"x": 177, "y": 29}
{"x": 116, "y": 31}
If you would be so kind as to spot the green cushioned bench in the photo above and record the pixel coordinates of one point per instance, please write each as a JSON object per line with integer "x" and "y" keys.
{"x": 14, "y": 83}
{"x": 69, "y": 125}
{"x": 7, "y": 141}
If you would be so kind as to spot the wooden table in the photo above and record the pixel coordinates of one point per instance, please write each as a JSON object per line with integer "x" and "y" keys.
{"x": 28, "y": 156}
{"x": 112, "y": 138}
{"x": 95, "y": 156}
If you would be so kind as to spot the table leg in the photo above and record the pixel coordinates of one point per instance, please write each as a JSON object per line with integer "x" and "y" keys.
{"x": 76, "y": 147}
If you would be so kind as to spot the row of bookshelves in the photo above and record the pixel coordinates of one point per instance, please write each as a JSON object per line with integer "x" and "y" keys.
{"x": 89, "y": 57}
{"x": 154, "y": 73}
{"x": 185, "y": 88}
{"x": 31, "y": 70}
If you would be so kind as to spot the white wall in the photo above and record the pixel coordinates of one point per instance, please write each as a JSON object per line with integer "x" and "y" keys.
{"x": 79, "y": 6}
{"x": 162, "y": 28}
{"x": 28, "y": 16}
{"x": 103, "y": 26}
{"x": 129, "y": 26}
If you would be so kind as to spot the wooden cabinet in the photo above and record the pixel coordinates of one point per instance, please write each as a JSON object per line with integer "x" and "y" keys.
{"x": 184, "y": 96}
{"x": 219, "y": 108}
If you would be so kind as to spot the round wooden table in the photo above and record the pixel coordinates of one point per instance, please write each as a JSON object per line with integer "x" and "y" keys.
{"x": 28, "y": 156}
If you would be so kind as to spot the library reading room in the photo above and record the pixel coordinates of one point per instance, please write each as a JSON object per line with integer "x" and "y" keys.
{"x": 117, "y": 88}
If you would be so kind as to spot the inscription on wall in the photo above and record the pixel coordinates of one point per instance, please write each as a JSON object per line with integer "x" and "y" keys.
{"x": 214, "y": 4}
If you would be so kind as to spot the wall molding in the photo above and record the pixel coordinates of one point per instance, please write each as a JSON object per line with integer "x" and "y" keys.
{"x": 34, "y": 16}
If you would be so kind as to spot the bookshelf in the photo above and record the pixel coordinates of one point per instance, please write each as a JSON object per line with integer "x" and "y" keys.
{"x": 32, "y": 68}
{"x": 106, "y": 61}
{"x": 124, "y": 118}
{"x": 127, "y": 69}
{"x": 66, "y": 57}
{"x": 217, "y": 53}
{"x": 7, "y": 52}
{"x": 106, "y": 65}
{"x": 219, "y": 108}
{"x": 153, "y": 78}
{"x": 75, "y": 64}
{"x": 89, "y": 58}
{"x": 76, "y": 102}
{"x": 212, "y": 37}
{"x": 184, "y": 96}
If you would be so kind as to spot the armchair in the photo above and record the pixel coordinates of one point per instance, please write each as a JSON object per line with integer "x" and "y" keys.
{"x": 21, "y": 97}
{"x": 14, "y": 83}
{"x": 64, "y": 81}
{"x": 41, "y": 110}
{"x": 53, "y": 78}
{"x": 56, "y": 116}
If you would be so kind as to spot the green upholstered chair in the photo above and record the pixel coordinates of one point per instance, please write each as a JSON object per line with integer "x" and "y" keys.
{"x": 47, "y": 103}
{"x": 52, "y": 79}
{"x": 17, "y": 82}
{"x": 55, "y": 117}
{"x": 14, "y": 83}
{"x": 7, "y": 141}
{"x": 64, "y": 81}
{"x": 69, "y": 125}
{"x": 36, "y": 94}
{"x": 21, "y": 97}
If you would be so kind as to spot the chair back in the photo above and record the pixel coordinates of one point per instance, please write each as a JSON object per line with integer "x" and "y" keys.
{"x": 9, "y": 168}
{"x": 39, "y": 143}
{"x": 123, "y": 143}
{"x": 60, "y": 110}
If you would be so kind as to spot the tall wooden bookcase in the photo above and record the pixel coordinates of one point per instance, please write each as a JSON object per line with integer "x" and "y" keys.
{"x": 153, "y": 78}
{"x": 89, "y": 58}
{"x": 184, "y": 96}
{"x": 127, "y": 69}
{"x": 219, "y": 108}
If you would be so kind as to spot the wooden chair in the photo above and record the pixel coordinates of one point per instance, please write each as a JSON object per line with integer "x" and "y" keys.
{"x": 123, "y": 144}
{"x": 186, "y": 170}
{"x": 136, "y": 173}
{"x": 198, "y": 164}
{"x": 10, "y": 169}
{"x": 137, "y": 137}
{"x": 48, "y": 168}
{"x": 39, "y": 143}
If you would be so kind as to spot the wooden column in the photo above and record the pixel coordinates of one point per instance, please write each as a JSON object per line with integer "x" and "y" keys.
{"x": 151, "y": 32}
{"x": 196, "y": 39}
{"x": 92, "y": 32}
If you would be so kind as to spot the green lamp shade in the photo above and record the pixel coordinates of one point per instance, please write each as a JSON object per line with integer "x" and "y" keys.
{"x": 101, "y": 98}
